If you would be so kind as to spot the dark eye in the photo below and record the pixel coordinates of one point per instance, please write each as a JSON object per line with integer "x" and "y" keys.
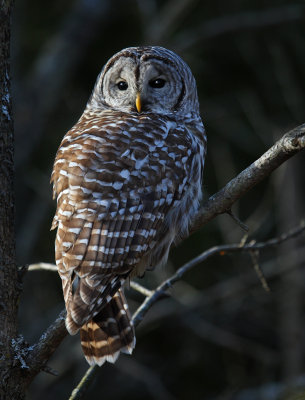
{"x": 157, "y": 83}
{"x": 122, "y": 85}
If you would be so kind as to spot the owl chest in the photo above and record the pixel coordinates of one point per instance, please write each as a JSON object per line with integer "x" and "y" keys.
{"x": 118, "y": 161}
{"x": 131, "y": 157}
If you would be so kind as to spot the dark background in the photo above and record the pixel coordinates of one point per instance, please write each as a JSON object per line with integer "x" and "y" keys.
{"x": 220, "y": 336}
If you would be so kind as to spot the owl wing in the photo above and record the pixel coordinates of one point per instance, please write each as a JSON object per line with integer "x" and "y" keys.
{"x": 115, "y": 187}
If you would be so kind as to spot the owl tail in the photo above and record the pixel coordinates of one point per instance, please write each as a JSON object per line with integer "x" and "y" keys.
{"x": 109, "y": 332}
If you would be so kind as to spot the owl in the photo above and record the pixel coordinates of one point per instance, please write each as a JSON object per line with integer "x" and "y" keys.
{"x": 128, "y": 179}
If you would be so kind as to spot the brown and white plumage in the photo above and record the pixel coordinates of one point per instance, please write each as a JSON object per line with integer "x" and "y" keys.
{"x": 127, "y": 178}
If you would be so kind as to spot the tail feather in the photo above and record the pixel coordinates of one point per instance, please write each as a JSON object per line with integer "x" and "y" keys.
{"x": 108, "y": 333}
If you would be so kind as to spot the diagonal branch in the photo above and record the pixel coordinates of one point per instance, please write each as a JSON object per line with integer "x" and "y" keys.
{"x": 39, "y": 354}
{"x": 222, "y": 201}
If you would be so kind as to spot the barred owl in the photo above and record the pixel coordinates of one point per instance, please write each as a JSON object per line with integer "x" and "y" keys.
{"x": 127, "y": 178}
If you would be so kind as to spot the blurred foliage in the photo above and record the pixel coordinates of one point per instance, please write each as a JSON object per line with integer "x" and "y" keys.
{"x": 220, "y": 334}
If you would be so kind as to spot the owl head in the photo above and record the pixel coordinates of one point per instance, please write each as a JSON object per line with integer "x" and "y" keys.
{"x": 145, "y": 80}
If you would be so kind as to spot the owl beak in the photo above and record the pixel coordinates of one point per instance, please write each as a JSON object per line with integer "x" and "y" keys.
{"x": 138, "y": 102}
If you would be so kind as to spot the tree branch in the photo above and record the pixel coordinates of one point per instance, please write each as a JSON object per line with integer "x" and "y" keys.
{"x": 39, "y": 354}
{"x": 289, "y": 145}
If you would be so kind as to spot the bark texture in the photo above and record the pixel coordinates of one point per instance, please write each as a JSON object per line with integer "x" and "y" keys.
{"x": 9, "y": 364}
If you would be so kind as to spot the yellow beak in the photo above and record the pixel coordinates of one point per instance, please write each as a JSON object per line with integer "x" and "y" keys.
{"x": 138, "y": 102}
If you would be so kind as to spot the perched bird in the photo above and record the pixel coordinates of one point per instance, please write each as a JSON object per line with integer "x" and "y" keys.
{"x": 127, "y": 178}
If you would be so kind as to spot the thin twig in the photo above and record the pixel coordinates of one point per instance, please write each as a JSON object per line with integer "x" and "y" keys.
{"x": 255, "y": 261}
{"x": 49, "y": 370}
{"x": 141, "y": 289}
{"x": 84, "y": 383}
{"x": 243, "y": 226}
{"x": 42, "y": 266}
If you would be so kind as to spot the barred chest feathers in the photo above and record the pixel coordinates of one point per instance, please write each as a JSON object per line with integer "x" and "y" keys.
{"x": 146, "y": 165}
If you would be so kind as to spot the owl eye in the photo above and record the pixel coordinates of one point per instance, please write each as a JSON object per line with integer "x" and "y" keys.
{"x": 157, "y": 83}
{"x": 122, "y": 85}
